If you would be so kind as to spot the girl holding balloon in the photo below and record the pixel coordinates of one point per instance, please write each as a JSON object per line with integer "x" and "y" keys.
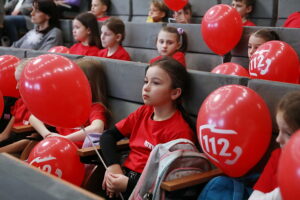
{"x": 99, "y": 114}
{"x": 86, "y": 33}
{"x": 160, "y": 120}
{"x": 171, "y": 41}
{"x": 288, "y": 121}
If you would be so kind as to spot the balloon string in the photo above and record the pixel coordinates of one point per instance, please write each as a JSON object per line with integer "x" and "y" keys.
{"x": 98, "y": 154}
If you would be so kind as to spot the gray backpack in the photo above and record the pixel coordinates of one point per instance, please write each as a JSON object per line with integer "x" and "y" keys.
{"x": 168, "y": 161}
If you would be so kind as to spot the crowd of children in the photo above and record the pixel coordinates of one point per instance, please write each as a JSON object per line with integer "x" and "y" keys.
{"x": 162, "y": 117}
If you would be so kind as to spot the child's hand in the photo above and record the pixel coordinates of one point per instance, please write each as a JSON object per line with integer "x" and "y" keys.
{"x": 54, "y": 135}
{"x": 116, "y": 183}
{"x": 113, "y": 169}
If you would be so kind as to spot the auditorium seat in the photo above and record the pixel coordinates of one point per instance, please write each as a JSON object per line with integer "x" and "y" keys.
{"x": 121, "y": 9}
{"x": 285, "y": 8}
{"x": 199, "y": 8}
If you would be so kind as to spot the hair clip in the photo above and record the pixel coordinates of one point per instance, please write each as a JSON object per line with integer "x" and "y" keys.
{"x": 180, "y": 31}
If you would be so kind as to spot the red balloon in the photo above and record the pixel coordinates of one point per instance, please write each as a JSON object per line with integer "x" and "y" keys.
{"x": 59, "y": 49}
{"x": 221, "y": 28}
{"x": 1, "y": 104}
{"x": 276, "y": 61}
{"x": 288, "y": 168}
{"x": 231, "y": 69}
{"x": 234, "y": 128}
{"x": 56, "y": 91}
{"x": 8, "y": 82}
{"x": 176, "y": 5}
{"x": 58, "y": 156}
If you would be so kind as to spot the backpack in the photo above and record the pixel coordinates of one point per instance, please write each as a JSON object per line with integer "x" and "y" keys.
{"x": 227, "y": 188}
{"x": 168, "y": 161}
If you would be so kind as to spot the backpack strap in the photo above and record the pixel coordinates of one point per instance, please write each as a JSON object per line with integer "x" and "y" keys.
{"x": 238, "y": 190}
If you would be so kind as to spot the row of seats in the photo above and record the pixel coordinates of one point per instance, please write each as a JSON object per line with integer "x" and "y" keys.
{"x": 140, "y": 43}
{"x": 266, "y": 12}
{"x": 125, "y": 81}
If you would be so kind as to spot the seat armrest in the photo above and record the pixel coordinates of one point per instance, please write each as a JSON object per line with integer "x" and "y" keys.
{"x": 190, "y": 180}
{"x": 89, "y": 151}
{"x": 22, "y": 129}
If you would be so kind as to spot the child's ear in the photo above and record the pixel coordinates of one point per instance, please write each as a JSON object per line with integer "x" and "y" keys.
{"x": 88, "y": 30}
{"x": 249, "y": 9}
{"x": 119, "y": 37}
{"x": 176, "y": 93}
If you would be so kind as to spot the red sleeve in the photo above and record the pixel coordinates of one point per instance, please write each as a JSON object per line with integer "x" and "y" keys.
{"x": 293, "y": 21}
{"x": 102, "y": 53}
{"x": 124, "y": 55}
{"x": 98, "y": 112}
{"x": 180, "y": 57}
{"x": 268, "y": 179}
{"x": 125, "y": 126}
{"x": 248, "y": 23}
{"x": 155, "y": 59}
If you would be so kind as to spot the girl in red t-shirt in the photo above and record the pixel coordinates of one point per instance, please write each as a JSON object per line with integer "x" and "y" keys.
{"x": 112, "y": 35}
{"x": 98, "y": 117}
{"x": 287, "y": 118}
{"x": 86, "y": 33}
{"x": 160, "y": 120}
{"x": 99, "y": 8}
{"x": 171, "y": 41}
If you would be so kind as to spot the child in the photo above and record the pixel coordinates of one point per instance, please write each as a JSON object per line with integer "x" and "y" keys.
{"x": 98, "y": 117}
{"x": 86, "y": 33}
{"x": 99, "y": 8}
{"x": 112, "y": 35}
{"x": 258, "y": 38}
{"x": 172, "y": 42}
{"x": 288, "y": 121}
{"x": 46, "y": 34}
{"x": 160, "y": 120}
{"x": 20, "y": 117}
{"x": 293, "y": 21}
{"x": 244, "y": 8}
{"x": 184, "y": 15}
{"x": 158, "y": 11}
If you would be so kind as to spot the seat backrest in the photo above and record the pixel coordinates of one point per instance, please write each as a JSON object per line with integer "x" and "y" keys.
{"x": 264, "y": 13}
{"x": 272, "y": 92}
{"x": 199, "y": 8}
{"x": 34, "y": 53}
{"x": 20, "y": 53}
{"x": 121, "y": 9}
{"x": 140, "y": 10}
{"x": 67, "y": 31}
{"x": 285, "y": 8}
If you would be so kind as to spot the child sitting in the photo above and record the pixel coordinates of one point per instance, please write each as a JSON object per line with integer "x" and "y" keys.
{"x": 112, "y": 35}
{"x": 86, "y": 32}
{"x": 99, "y": 8}
{"x": 244, "y": 8}
{"x": 172, "y": 42}
{"x": 287, "y": 118}
{"x": 184, "y": 15}
{"x": 158, "y": 12}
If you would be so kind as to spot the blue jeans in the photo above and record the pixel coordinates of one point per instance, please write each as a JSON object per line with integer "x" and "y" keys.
{"x": 13, "y": 25}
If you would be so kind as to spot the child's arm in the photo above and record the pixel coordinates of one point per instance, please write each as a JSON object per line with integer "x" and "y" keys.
{"x": 273, "y": 195}
{"x": 6, "y": 132}
{"x": 97, "y": 126}
{"x": 39, "y": 126}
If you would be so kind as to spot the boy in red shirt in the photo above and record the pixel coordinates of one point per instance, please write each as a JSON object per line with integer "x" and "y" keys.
{"x": 244, "y": 8}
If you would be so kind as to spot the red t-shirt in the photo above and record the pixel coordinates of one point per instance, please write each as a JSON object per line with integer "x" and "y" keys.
{"x": 248, "y": 23}
{"x": 179, "y": 56}
{"x": 267, "y": 182}
{"x": 293, "y": 21}
{"x": 144, "y": 133}
{"x": 101, "y": 19}
{"x": 97, "y": 112}
{"x": 120, "y": 54}
{"x": 80, "y": 49}
{"x": 21, "y": 113}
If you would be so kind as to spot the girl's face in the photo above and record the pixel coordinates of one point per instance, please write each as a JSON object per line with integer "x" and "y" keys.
{"x": 98, "y": 8}
{"x": 285, "y": 131}
{"x": 109, "y": 38}
{"x": 242, "y": 8}
{"x": 80, "y": 32}
{"x": 167, "y": 43}
{"x": 38, "y": 17}
{"x": 253, "y": 44}
{"x": 157, "y": 90}
{"x": 182, "y": 16}
{"x": 156, "y": 14}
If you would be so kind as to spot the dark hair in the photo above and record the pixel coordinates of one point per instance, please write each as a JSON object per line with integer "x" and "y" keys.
{"x": 289, "y": 105}
{"x": 94, "y": 71}
{"x": 247, "y": 2}
{"x": 49, "y": 8}
{"x": 179, "y": 78}
{"x": 187, "y": 7}
{"x": 115, "y": 25}
{"x": 266, "y": 34}
{"x": 107, "y": 3}
{"x": 162, "y": 8}
{"x": 90, "y": 21}
{"x": 180, "y": 34}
